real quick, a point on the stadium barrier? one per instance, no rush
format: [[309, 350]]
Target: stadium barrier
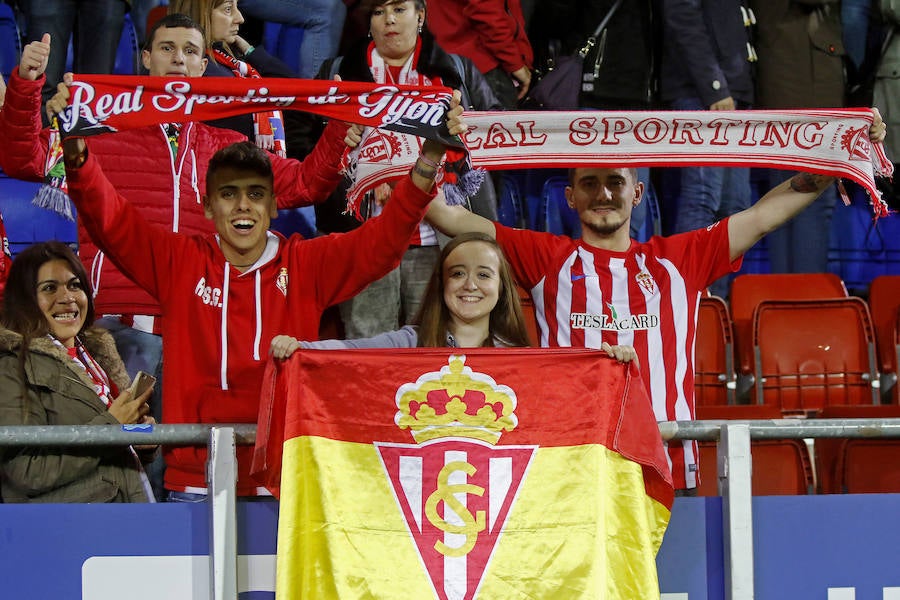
[[733, 474]]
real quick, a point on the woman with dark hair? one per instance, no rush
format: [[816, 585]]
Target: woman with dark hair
[[57, 370], [470, 302]]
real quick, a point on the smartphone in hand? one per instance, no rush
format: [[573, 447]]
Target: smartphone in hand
[[142, 382]]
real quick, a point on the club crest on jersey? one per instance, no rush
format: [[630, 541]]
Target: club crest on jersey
[[455, 487], [645, 280], [281, 282]]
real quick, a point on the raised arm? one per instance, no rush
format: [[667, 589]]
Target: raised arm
[[381, 241], [785, 201], [23, 153], [454, 220]]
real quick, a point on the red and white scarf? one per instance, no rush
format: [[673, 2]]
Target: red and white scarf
[[408, 75], [78, 353], [268, 126], [833, 142]]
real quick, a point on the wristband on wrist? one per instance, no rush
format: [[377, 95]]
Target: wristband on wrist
[[428, 162], [423, 171]]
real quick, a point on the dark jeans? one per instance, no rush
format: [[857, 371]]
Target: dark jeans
[[801, 244], [322, 22], [707, 194], [96, 25]]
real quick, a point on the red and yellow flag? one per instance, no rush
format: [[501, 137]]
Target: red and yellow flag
[[491, 474]]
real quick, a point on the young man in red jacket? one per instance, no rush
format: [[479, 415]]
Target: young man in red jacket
[[162, 175], [224, 296]]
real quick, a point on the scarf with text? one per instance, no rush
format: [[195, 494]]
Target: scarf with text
[[833, 142], [109, 103], [268, 126]]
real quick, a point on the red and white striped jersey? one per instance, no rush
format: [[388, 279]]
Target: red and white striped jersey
[[646, 297]]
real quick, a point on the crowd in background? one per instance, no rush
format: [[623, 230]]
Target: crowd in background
[[678, 54], [672, 54]]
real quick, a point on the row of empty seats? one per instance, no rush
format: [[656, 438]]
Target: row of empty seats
[[799, 345], [860, 248], [799, 467], [799, 342]]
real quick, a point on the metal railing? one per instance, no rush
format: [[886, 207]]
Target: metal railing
[[733, 472]]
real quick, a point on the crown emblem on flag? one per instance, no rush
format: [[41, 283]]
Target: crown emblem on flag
[[456, 402]]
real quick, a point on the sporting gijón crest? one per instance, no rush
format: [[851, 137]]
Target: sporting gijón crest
[[455, 487]]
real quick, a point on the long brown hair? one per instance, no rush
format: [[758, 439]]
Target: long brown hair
[[21, 312], [507, 321], [199, 11]]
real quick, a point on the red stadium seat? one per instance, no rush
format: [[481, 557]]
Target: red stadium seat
[[869, 466], [714, 378], [780, 467], [748, 290], [884, 302], [530, 315], [812, 353], [857, 465]]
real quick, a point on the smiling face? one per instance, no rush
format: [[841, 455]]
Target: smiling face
[[62, 300], [395, 29], [175, 52], [471, 275], [225, 21], [241, 204], [603, 199]]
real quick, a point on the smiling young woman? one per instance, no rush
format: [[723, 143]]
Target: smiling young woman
[[471, 301], [55, 369]]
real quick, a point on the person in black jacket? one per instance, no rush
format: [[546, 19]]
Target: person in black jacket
[[626, 76], [621, 71]]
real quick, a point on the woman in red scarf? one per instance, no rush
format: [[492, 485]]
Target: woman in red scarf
[[400, 50]]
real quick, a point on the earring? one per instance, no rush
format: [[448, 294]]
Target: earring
[[370, 34], [420, 27]]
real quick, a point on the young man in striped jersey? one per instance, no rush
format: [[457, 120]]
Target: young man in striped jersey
[[607, 287]]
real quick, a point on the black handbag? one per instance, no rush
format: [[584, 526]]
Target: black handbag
[[561, 86]]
